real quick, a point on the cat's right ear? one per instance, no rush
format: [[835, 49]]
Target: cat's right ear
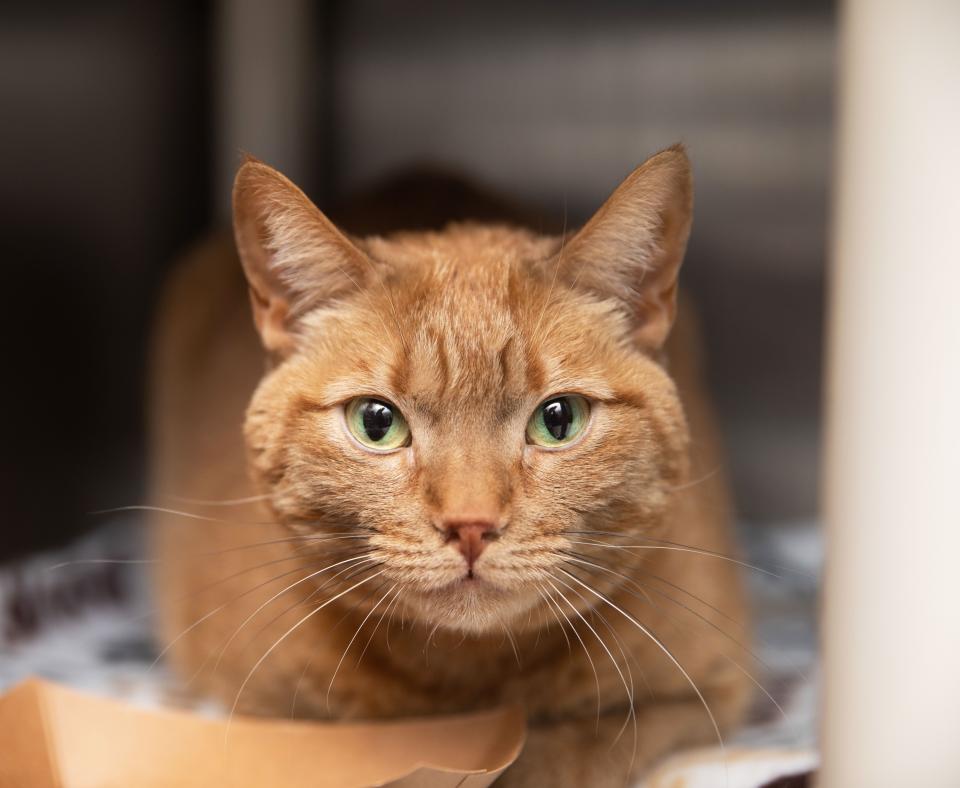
[[631, 250], [293, 256]]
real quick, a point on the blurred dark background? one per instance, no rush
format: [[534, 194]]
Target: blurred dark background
[[122, 124]]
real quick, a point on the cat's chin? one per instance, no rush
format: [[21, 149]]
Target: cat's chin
[[471, 604]]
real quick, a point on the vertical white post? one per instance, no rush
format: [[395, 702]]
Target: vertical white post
[[264, 96], [892, 596]]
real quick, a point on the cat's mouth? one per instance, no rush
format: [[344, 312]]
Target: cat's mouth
[[470, 584], [471, 581], [472, 602]]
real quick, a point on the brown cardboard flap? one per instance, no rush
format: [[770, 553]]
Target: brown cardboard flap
[[58, 737]]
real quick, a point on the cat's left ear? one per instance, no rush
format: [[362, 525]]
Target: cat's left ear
[[632, 248]]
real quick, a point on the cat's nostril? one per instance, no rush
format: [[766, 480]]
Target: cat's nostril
[[471, 536]]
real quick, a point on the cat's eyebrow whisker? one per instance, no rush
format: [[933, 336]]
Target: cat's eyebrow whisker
[[282, 638], [660, 644]]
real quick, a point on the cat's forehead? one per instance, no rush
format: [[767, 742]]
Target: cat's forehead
[[466, 335], [469, 282], [463, 255], [466, 322], [462, 302]]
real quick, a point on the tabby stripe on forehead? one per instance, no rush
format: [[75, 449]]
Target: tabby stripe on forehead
[[400, 376], [503, 358], [536, 376], [443, 362]]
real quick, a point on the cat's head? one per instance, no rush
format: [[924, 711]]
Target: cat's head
[[456, 406]]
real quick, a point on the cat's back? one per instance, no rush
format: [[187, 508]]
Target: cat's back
[[205, 362]]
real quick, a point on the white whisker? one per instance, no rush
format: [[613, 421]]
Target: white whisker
[[217, 502], [280, 640], [383, 615], [216, 610], [363, 558], [355, 634], [616, 665], [646, 631], [586, 651], [680, 549], [559, 622]]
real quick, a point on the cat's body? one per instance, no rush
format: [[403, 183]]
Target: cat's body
[[466, 330]]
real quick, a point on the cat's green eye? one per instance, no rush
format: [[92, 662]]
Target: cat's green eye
[[378, 425], [558, 421]]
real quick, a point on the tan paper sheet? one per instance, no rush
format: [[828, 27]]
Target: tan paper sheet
[[54, 737]]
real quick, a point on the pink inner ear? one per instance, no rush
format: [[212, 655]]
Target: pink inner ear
[[270, 319], [655, 318]]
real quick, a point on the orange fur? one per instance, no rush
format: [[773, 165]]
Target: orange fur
[[466, 330]]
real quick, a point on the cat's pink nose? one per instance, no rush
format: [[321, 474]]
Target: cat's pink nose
[[471, 536]]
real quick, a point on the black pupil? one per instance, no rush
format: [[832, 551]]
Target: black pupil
[[557, 416], [377, 419]]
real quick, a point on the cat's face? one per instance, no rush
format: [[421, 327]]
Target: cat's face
[[465, 402]]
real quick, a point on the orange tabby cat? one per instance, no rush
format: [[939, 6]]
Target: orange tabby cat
[[470, 476]]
